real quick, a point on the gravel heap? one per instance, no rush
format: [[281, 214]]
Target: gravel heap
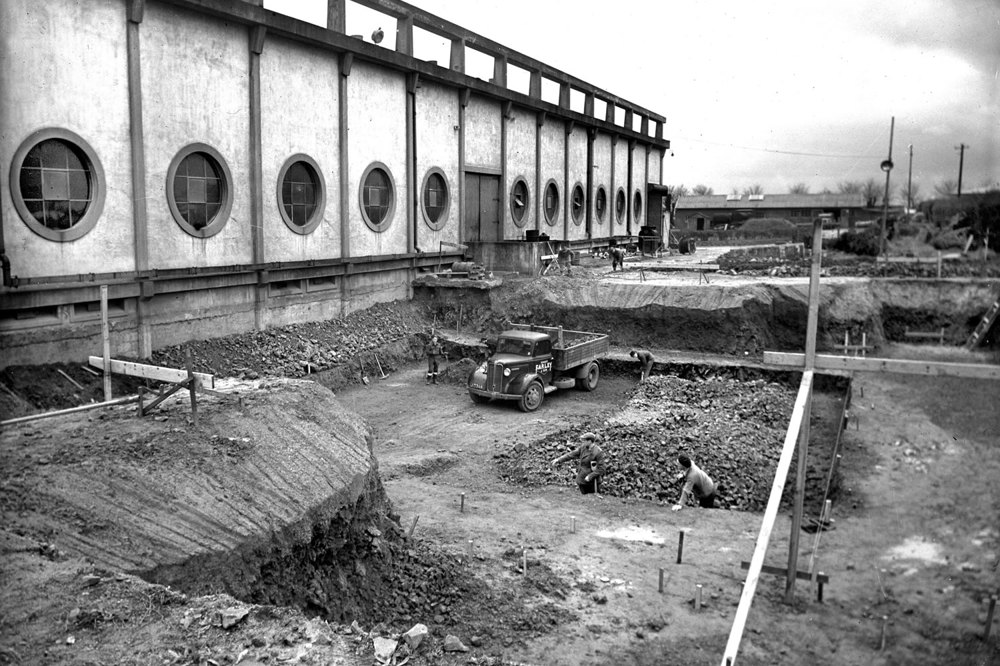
[[299, 349], [733, 430]]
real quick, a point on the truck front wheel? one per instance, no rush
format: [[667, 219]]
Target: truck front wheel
[[589, 381], [532, 397]]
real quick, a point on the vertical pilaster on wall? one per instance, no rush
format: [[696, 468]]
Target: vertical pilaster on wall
[[539, 124], [464, 95], [256, 44], [659, 130], [564, 90], [588, 105], [566, 184], [628, 185], [644, 126], [413, 209], [613, 194], [609, 114], [591, 135], [500, 71], [404, 35], [346, 61], [535, 84], [336, 15], [140, 220], [629, 118], [507, 111], [457, 60]]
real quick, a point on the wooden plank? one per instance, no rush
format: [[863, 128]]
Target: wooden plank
[[71, 410], [770, 513], [154, 372], [852, 364], [106, 340], [782, 571]]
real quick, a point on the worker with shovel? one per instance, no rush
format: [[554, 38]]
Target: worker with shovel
[[589, 463], [434, 352], [646, 359], [695, 482]]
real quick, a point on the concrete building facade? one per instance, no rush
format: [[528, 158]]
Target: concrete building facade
[[219, 167]]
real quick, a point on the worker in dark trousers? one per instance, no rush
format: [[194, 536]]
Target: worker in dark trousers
[[434, 352], [696, 483], [646, 359], [617, 258], [590, 465]]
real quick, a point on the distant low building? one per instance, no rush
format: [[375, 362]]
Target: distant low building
[[714, 211]]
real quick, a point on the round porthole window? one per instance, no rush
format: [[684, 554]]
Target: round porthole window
[[199, 190], [435, 200], [57, 184], [301, 194], [637, 206], [578, 204], [550, 204], [378, 196], [601, 204], [620, 202], [519, 200]]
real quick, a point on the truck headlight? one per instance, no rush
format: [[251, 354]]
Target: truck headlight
[[506, 372]]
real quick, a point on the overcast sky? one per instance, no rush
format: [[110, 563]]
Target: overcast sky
[[771, 93]]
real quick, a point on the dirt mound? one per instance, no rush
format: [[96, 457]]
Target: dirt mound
[[457, 372], [733, 430]]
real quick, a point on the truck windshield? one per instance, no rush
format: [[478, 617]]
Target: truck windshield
[[514, 346]]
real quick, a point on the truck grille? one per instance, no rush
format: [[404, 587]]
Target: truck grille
[[494, 377]]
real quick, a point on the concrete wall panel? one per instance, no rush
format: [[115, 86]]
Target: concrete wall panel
[[576, 144], [376, 103], [602, 176], [520, 163], [437, 147], [553, 167], [310, 126], [195, 74], [52, 56], [638, 185], [482, 133], [621, 184]]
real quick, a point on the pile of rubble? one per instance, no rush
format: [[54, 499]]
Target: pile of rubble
[[300, 349], [733, 430]]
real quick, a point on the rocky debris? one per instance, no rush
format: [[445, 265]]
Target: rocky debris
[[230, 617], [457, 372], [733, 430], [415, 635], [453, 644], [299, 350]]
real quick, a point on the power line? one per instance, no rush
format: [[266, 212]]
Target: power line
[[780, 152]]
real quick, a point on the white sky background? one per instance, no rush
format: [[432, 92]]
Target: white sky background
[[743, 84]]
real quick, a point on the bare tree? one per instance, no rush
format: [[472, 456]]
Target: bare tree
[[870, 191], [702, 190], [946, 188], [756, 188], [677, 191], [799, 188], [826, 190], [912, 192], [735, 191], [850, 187]]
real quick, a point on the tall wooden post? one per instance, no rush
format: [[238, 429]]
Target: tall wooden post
[[812, 324]]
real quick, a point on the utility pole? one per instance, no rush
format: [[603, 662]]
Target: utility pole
[[961, 158], [887, 167], [909, 183]]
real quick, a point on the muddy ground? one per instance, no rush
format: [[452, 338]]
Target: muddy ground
[[916, 538]]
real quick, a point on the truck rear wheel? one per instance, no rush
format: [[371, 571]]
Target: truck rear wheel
[[532, 397], [589, 381]]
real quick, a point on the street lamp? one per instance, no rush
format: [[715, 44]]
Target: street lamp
[[887, 167]]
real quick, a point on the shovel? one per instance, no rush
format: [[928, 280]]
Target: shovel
[[381, 371], [364, 377]]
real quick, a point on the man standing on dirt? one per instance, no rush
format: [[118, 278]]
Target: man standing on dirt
[[434, 352], [696, 482], [646, 359], [617, 258], [589, 463], [565, 258]]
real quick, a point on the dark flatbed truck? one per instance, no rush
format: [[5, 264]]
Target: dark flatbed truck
[[533, 361]]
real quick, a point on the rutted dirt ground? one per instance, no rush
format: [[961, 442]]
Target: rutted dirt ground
[[916, 539]]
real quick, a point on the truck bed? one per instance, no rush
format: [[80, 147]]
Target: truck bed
[[572, 348]]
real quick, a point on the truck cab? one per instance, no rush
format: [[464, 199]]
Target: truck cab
[[527, 365]]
